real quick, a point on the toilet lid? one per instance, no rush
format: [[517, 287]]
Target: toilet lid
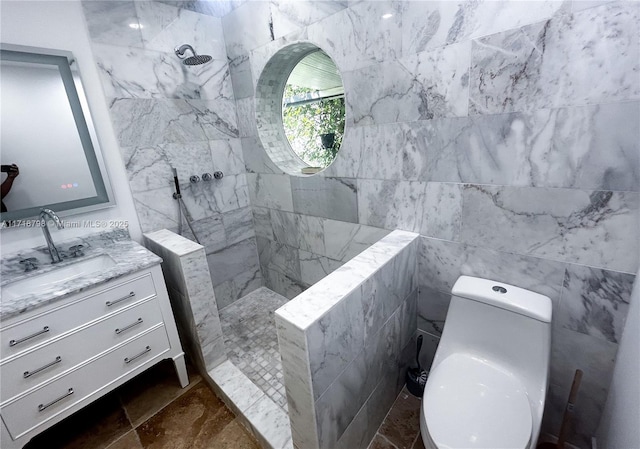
[[470, 403]]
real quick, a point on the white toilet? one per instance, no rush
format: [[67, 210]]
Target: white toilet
[[487, 384]]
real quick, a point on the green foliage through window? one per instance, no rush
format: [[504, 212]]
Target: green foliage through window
[[306, 122]]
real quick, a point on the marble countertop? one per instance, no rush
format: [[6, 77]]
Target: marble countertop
[[128, 256]]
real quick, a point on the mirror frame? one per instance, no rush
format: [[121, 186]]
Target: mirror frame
[[68, 69]]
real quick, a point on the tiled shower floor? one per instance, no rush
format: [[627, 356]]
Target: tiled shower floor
[[250, 335]]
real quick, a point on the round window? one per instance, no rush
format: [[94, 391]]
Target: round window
[[300, 109]]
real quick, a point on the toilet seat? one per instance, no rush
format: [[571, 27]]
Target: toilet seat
[[472, 403]]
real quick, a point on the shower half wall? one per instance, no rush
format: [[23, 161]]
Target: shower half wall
[[365, 311]]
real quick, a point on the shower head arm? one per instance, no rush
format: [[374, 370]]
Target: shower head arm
[[180, 51]]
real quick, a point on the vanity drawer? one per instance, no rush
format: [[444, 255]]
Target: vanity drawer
[[39, 365], [87, 307], [50, 400]]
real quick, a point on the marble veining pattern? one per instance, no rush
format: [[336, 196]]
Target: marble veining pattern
[[193, 302], [128, 256], [570, 225], [586, 57], [595, 302]]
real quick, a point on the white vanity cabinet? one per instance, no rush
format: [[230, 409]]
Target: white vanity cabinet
[[58, 358]]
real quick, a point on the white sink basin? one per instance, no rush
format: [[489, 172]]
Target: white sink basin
[[41, 283]]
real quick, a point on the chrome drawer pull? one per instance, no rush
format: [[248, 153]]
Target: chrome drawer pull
[[28, 374], [43, 407], [131, 359], [124, 298], [119, 331], [29, 337]]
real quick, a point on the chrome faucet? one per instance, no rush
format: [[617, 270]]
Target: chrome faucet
[[44, 213]]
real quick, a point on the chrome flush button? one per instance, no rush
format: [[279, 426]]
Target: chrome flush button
[[497, 288]]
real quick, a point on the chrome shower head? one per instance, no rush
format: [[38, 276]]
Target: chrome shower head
[[196, 59]]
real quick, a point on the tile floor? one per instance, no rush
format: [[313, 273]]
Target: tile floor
[[151, 412], [401, 427], [250, 334]]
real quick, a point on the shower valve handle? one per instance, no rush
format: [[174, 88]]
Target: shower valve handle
[[218, 174], [194, 178]]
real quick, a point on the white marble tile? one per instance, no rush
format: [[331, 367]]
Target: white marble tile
[[579, 147], [433, 24], [233, 260], [289, 16], [312, 304], [279, 257], [262, 222], [442, 262], [595, 302], [108, 22], [167, 240], [247, 124], [226, 155], [344, 241], [164, 27], [204, 308], [240, 285], [347, 161], [273, 191], [432, 310], [270, 424], [582, 58], [223, 195], [238, 225], [241, 77], [358, 36], [442, 211], [143, 122], [285, 227], [150, 167], [246, 28], [235, 385], [314, 267], [214, 8], [156, 209], [422, 86], [334, 340], [584, 227], [295, 366], [210, 232], [311, 233], [256, 158], [137, 73], [391, 204], [334, 198], [338, 406], [286, 285]]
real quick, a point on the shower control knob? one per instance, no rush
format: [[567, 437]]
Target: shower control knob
[[218, 174], [207, 176], [194, 178]]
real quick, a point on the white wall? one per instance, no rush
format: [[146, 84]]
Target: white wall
[[619, 426], [60, 25]]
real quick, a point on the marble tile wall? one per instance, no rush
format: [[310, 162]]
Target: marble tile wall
[[189, 286], [346, 343], [505, 133], [167, 115], [297, 250]]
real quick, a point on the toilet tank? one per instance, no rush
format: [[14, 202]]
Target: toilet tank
[[502, 324]]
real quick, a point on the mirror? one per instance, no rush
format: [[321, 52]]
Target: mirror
[[50, 156], [313, 110]]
